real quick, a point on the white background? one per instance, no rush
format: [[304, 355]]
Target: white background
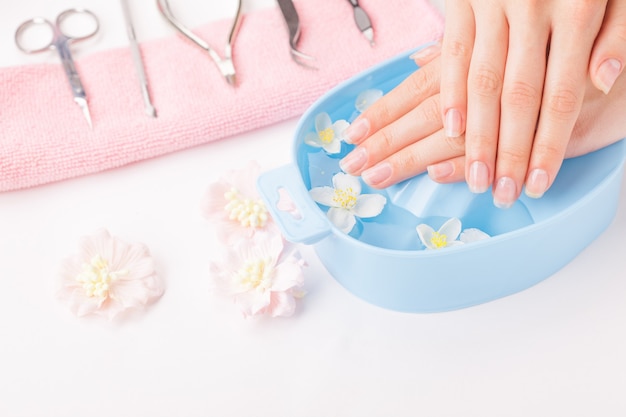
[[557, 349]]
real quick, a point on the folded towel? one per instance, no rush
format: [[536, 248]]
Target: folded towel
[[44, 136]]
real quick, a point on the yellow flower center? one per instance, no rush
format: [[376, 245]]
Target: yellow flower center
[[439, 240], [327, 135], [96, 277], [256, 273], [345, 197], [248, 212]]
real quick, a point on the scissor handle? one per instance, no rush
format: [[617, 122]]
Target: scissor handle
[[28, 25], [63, 16], [58, 33]]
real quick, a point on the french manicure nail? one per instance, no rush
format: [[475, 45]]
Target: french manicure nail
[[453, 123], [505, 193], [537, 183], [478, 180], [377, 174], [440, 171], [425, 54], [354, 161], [607, 74], [357, 131]]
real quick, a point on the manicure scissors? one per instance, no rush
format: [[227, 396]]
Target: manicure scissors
[[362, 21], [225, 64], [293, 25], [61, 39]]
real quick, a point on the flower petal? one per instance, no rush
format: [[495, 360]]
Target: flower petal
[[342, 219], [323, 195], [342, 181], [451, 228], [367, 98], [425, 233], [333, 147], [369, 205], [322, 122], [473, 235], [313, 139], [339, 127]]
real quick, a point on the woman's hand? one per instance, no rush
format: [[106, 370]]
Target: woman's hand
[[400, 136]]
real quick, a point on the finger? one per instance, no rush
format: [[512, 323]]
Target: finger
[[521, 99], [413, 159], [564, 87], [609, 52], [458, 41], [416, 88], [415, 125], [483, 97], [448, 171]]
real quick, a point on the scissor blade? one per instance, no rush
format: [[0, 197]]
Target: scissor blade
[[364, 24], [82, 103]]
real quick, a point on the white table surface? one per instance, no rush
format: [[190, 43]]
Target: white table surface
[[557, 349]]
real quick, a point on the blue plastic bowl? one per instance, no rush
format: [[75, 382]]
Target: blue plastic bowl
[[382, 262]]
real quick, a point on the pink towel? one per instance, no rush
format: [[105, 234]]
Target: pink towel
[[44, 136]]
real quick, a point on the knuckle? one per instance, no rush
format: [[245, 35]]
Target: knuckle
[[486, 81], [521, 95], [429, 112], [563, 102], [513, 156], [585, 12], [457, 49]]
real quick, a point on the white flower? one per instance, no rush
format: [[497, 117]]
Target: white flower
[[346, 201], [108, 276], [262, 277], [448, 234], [366, 99], [327, 135]]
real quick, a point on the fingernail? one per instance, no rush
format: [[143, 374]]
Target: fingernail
[[354, 160], [440, 171], [607, 74], [537, 183], [453, 123], [377, 174], [505, 193], [357, 131], [426, 54], [478, 180]]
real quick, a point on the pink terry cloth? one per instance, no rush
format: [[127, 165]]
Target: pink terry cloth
[[44, 136]]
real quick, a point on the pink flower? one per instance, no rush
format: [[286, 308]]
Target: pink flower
[[234, 206], [262, 277], [108, 276]]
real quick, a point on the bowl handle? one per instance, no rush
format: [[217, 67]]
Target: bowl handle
[[310, 224]]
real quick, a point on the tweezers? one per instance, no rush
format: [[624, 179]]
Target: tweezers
[[293, 25], [225, 64], [362, 21]]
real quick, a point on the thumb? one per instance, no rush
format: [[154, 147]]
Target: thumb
[[609, 52]]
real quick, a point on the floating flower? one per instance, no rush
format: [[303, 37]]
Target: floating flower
[[327, 135], [367, 98], [447, 235], [262, 277], [108, 276], [346, 201], [233, 204]]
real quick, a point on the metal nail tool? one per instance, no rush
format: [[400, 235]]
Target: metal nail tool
[[60, 39], [293, 25], [139, 67], [363, 21], [225, 64]]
